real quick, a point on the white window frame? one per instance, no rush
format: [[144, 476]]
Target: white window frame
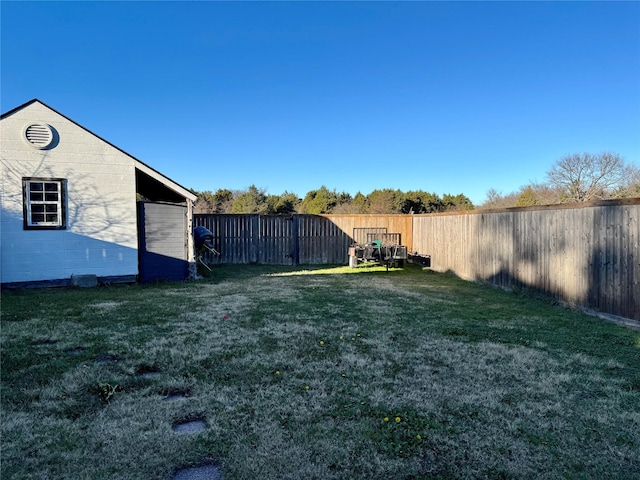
[[44, 203]]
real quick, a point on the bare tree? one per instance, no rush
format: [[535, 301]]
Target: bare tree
[[495, 199], [584, 177], [631, 186], [545, 194]]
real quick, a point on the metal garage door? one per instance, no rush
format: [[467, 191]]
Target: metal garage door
[[162, 241]]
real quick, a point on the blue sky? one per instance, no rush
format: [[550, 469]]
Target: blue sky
[[455, 97]]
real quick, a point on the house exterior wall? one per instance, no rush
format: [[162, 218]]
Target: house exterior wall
[[100, 237]]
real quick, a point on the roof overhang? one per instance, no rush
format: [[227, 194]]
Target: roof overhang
[[165, 181]]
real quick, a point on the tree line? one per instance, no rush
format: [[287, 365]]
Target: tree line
[[579, 177], [323, 200]]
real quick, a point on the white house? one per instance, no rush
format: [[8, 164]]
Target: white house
[[71, 206]]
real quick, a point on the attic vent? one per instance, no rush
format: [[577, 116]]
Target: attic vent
[[39, 135]]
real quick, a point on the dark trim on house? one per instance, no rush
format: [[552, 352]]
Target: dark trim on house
[[117, 279], [26, 201], [66, 282]]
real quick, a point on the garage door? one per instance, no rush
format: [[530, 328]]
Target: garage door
[[162, 239]]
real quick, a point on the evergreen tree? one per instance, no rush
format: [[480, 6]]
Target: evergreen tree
[[527, 198], [385, 201], [253, 200], [286, 203], [456, 202], [419, 201], [322, 201]]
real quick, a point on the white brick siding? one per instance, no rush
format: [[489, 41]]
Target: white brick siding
[[101, 233]]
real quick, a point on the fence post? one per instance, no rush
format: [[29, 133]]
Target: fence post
[[254, 248], [295, 233]]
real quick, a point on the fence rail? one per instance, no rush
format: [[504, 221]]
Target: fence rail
[[588, 255]]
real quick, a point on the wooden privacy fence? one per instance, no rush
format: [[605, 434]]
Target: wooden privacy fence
[[293, 239], [587, 254]]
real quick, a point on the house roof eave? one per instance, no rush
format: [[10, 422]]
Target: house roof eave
[[146, 169]]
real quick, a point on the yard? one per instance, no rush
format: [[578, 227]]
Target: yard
[[315, 373]]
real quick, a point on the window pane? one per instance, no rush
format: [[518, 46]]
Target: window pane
[[44, 208]]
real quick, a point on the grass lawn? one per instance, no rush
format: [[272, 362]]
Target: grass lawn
[[320, 373]]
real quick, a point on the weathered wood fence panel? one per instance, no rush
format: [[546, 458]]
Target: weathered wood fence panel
[[234, 237], [589, 255], [321, 241], [276, 240]]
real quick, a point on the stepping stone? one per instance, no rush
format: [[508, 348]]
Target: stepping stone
[[147, 371], [192, 426], [205, 472], [74, 351], [106, 358], [174, 397]]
